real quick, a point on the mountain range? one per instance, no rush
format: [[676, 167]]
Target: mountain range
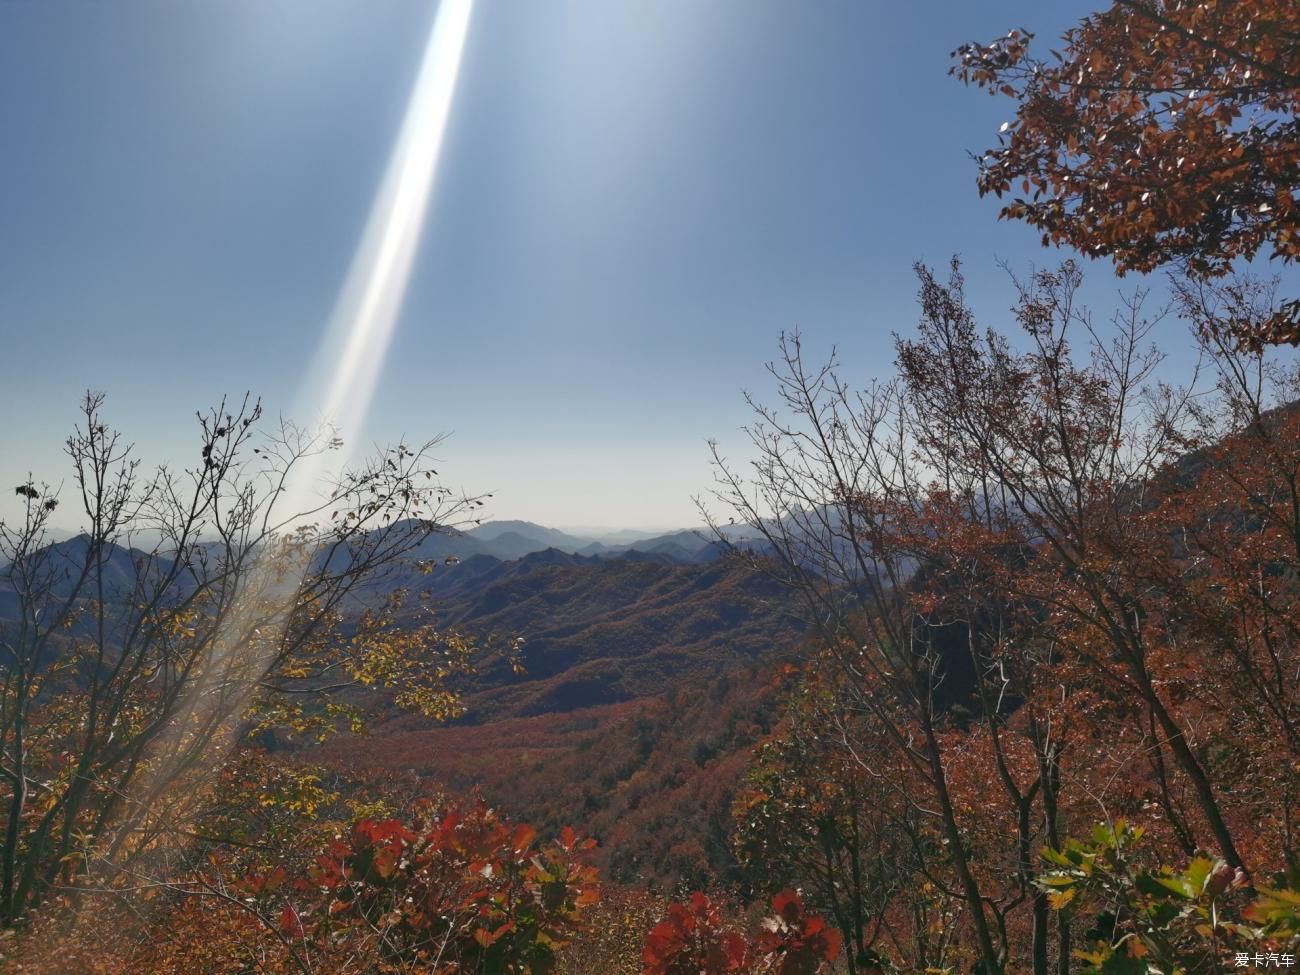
[[508, 540], [602, 629], [645, 681], [600, 623]]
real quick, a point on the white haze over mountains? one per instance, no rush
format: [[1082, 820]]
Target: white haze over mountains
[[509, 539]]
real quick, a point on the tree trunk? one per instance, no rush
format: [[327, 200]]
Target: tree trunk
[[13, 829]]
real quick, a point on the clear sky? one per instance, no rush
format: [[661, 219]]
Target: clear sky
[[635, 198]]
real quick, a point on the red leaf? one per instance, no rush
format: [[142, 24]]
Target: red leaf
[[290, 923], [523, 838], [788, 906]]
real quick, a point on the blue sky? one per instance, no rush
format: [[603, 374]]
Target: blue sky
[[634, 199]]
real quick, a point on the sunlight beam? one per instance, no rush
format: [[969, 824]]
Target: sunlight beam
[[339, 389], [361, 326]]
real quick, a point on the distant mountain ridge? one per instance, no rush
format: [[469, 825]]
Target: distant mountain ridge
[[510, 539], [514, 539], [547, 537]]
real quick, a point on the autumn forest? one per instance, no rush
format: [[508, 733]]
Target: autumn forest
[[988, 663]]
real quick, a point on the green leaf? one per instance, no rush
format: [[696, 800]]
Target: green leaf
[[1277, 910], [1057, 880], [1163, 886], [1198, 874], [1052, 856], [1104, 837]]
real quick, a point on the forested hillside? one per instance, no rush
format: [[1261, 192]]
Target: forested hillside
[[985, 663], [597, 631]]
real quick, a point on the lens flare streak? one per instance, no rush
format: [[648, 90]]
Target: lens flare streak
[[361, 326], [340, 386]]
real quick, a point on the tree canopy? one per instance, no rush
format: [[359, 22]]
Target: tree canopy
[[1162, 132]]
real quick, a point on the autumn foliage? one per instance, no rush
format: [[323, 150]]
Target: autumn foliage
[[1161, 131], [441, 891], [1043, 713], [694, 939], [1050, 588], [465, 892]]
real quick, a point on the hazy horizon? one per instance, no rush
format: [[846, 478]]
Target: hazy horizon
[[62, 527]]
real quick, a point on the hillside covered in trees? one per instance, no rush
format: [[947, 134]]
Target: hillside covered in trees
[[987, 663]]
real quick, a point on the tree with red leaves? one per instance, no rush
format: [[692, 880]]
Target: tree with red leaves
[[694, 939], [1162, 131], [465, 892]]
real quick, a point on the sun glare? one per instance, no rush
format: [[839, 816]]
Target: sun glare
[[361, 327], [352, 351]]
